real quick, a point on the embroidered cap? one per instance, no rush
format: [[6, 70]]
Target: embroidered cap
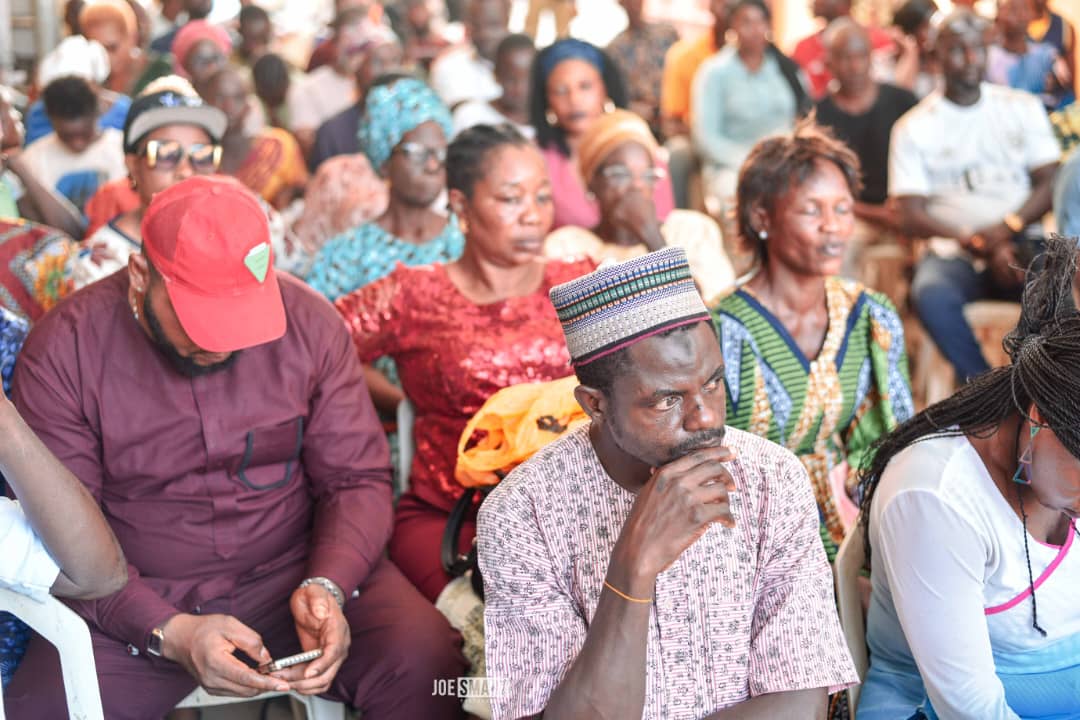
[[209, 239], [620, 304]]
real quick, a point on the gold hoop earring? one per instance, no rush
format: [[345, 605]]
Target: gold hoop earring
[[134, 185], [463, 225], [552, 118]]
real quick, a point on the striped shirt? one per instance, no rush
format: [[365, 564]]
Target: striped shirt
[[742, 612]]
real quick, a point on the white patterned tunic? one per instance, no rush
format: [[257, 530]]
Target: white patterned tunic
[[742, 612]]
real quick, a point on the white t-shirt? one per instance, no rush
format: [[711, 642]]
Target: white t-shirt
[[319, 96], [25, 564], [77, 176], [972, 163], [950, 580], [481, 112], [459, 74]]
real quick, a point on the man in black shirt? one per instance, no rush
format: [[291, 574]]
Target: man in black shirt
[[861, 112]]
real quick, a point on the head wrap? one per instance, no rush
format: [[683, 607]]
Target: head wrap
[[609, 132], [569, 49], [106, 11], [191, 35], [621, 304], [392, 110], [75, 55]]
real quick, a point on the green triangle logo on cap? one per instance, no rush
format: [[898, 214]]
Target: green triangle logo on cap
[[257, 261]]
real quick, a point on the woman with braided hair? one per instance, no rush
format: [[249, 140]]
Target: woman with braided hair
[[970, 510]]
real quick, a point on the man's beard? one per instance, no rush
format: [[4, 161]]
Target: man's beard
[[183, 365]]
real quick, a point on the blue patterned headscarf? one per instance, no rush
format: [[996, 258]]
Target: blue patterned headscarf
[[570, 49], [392, 110]]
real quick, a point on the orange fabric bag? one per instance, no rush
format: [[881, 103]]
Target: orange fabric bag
[[516, 422]]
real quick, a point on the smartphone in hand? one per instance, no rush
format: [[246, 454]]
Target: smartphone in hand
[[286, 662]]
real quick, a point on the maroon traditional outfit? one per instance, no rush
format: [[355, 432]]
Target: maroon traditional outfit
[[225, 491], [451, 356]]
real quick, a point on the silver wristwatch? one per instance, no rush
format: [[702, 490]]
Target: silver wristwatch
[[156, 644], [330, 585]]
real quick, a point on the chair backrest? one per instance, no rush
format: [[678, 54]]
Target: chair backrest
[[68, 632], [406, 416], [934, 378], [991, 321], [849, 563]]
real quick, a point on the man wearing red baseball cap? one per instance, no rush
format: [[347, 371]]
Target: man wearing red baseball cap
[[208, 241], [217, 411]]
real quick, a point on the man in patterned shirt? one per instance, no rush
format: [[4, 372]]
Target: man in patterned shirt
[[654, 563], [639, 52]]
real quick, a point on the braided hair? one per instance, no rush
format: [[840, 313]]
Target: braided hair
[[1044, 370], [468, 153]]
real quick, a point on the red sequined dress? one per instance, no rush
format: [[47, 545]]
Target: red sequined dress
[[452, 354]]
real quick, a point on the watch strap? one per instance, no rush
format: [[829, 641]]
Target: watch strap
[[330, 585]]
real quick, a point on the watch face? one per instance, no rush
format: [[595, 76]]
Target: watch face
[[157, 638]]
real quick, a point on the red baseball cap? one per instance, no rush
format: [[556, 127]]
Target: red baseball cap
[[208, 237]]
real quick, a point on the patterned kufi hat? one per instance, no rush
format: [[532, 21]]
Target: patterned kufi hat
[[620, 304]]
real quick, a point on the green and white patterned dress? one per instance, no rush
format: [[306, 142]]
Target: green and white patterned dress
[[829, 409]]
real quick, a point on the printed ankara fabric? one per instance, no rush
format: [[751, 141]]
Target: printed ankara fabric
[[827, 410]]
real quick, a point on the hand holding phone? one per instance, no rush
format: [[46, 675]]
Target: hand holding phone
[[320, 623], [286, 662]]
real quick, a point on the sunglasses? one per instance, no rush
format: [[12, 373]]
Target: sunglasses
[[419, 155], [620, 176], [168, 154]]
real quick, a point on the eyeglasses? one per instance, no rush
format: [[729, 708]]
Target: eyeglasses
[[168, 154], [419, 155], [621, 177]]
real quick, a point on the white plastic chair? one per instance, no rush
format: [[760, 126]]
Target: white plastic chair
[[315, 708], [406, 416], [849, 563], [55, 622]]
